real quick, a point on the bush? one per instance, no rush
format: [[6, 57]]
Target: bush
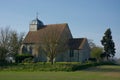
[[92, 59], [28, 60], [22, 57]]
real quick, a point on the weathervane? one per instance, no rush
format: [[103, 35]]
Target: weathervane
[[36, 15]]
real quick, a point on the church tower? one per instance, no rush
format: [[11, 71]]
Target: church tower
[[35, 25]]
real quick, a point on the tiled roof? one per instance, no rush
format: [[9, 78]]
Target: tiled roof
[[36, 36], [76, 43]]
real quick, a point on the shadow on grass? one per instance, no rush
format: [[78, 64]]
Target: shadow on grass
[[104, 68]]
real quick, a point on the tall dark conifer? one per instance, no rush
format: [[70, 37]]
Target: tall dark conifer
[[108, 43]]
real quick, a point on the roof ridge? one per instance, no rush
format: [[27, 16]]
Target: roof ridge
[[58, 24], [79, 38]]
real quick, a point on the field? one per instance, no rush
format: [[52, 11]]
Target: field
[[96, 73]]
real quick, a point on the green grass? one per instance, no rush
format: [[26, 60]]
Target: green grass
[[105, 72]]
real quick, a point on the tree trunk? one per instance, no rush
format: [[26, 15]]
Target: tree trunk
[[107, 57], [52, 61]]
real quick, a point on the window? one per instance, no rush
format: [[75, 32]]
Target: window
[[71, 53], [30, 50], [24, 49]]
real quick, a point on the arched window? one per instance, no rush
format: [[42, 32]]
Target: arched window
[[24, 49]]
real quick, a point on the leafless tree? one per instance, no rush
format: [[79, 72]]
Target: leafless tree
[[3, 53], [5, 37], [10, 40], [91, 43], [4, 42], [53, 42]]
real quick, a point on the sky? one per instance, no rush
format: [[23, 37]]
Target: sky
[[86, 18]]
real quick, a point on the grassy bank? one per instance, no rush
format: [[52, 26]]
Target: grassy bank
[[60, 66], [106, 72]]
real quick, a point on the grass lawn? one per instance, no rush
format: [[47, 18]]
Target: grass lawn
[[96, 73]]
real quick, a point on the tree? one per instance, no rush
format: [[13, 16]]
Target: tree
[[108, 43], [96, 52], [5, 37], [15, 42], [10, 40], [53, 42], [3, 53], [91, 43]]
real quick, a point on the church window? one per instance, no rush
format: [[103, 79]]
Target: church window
[[30, 50], [24, 49]]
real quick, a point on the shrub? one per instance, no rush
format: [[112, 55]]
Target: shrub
[[92, 59], [22, 57], [28, 60]]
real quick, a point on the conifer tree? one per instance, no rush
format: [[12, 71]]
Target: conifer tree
[[108, 43]]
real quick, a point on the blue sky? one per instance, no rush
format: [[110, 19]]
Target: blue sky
[[86, 18]]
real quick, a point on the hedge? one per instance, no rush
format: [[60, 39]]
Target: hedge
[[20, 58]]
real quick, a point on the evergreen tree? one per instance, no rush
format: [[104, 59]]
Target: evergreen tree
[[108, 43]]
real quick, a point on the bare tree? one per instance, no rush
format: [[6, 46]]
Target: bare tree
[[3, 53], [4, 37], [10, 41], [91, 43], [54, 42], [4, 42]]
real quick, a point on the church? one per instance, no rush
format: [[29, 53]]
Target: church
[[56, 38]]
